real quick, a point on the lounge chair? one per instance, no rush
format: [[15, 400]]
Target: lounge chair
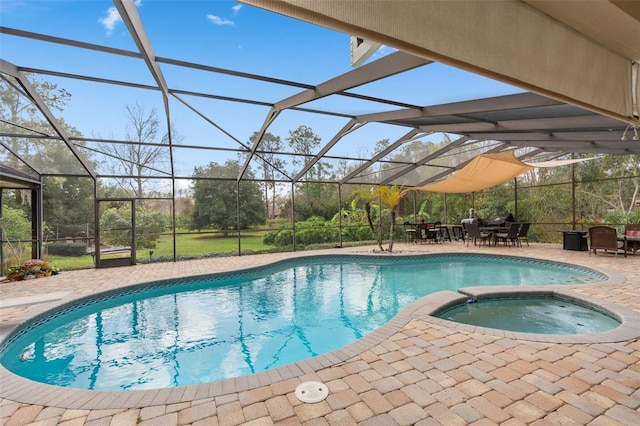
[[473, 232], [605, 238], [510, 236]]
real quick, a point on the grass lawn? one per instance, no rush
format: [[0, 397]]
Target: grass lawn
[[198, 244], [188, 244]]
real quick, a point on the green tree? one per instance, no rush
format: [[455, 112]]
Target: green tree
[[312, 198], [304, 143], [15, 227], [18, 112], [149, 225], [367, 195], [68, 206], [622, 190], [65, 200], [269, 163], [215, 200]]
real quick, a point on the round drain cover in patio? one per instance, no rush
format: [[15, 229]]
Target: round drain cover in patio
[[312, 392]]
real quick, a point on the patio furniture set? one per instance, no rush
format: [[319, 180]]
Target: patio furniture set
[[606, 238], [513, 233], [510, 233], [601, 237], [433, 232]]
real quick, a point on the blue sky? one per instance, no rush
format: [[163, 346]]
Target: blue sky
[[224, 34]]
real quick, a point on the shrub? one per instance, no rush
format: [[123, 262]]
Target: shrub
[[67, 249], [269, 237], [316, 230], [363, 233], [284, 238]]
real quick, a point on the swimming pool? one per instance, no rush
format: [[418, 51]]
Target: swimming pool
[[203, 329]]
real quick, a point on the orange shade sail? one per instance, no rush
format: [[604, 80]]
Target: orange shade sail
[[488, 170]]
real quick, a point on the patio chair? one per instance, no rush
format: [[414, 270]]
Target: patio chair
[[432, 232], [421, 232], [511, 236], [522, 233], [605, 238], [473, 232], [632, 232], [410, 232]]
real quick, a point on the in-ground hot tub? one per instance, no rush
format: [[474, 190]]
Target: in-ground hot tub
[[544, 315]]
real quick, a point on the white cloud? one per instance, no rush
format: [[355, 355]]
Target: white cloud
[[110, 20], [219, 21], [236, 9]]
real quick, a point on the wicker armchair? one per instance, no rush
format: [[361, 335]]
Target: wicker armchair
[[605, 238], [474, 233], [523, 233], [632, 232], [511, 236]]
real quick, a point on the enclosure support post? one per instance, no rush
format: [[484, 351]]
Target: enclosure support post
[[515, 198], [36, 223], [293, 214], [573, 194], [340, 215], [1, 239], [444, 199], [134, 247], [173, 217], [415, 201], [238, 216], [96, 227]]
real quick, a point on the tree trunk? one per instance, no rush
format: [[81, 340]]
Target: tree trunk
[[273, 199], [392, 232], [376, 235]]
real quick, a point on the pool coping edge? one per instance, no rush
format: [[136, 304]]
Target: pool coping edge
[[27, 391]]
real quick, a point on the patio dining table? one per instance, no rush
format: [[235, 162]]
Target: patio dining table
[[454, 231]]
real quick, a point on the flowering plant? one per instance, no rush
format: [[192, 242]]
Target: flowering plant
[[33, 268]]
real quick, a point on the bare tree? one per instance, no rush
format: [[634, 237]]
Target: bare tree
[[145, 152], [20, 115]]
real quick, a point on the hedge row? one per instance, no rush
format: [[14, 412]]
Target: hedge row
[[67, 249]]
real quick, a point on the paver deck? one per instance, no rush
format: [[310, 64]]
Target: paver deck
[[414, 370]]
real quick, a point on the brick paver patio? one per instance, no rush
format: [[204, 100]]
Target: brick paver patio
[[415, 370]]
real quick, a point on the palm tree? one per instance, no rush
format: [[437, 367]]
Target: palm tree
[[367, 195], [390, 197]]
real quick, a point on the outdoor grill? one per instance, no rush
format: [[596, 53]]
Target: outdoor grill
[[498, 221]]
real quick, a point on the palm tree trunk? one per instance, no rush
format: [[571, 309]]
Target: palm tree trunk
[[393, 230], [374, 233]]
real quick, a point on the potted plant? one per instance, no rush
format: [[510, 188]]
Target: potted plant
[[31, 269]]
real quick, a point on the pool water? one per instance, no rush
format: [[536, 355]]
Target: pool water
[[201, 329], [546, 315]]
